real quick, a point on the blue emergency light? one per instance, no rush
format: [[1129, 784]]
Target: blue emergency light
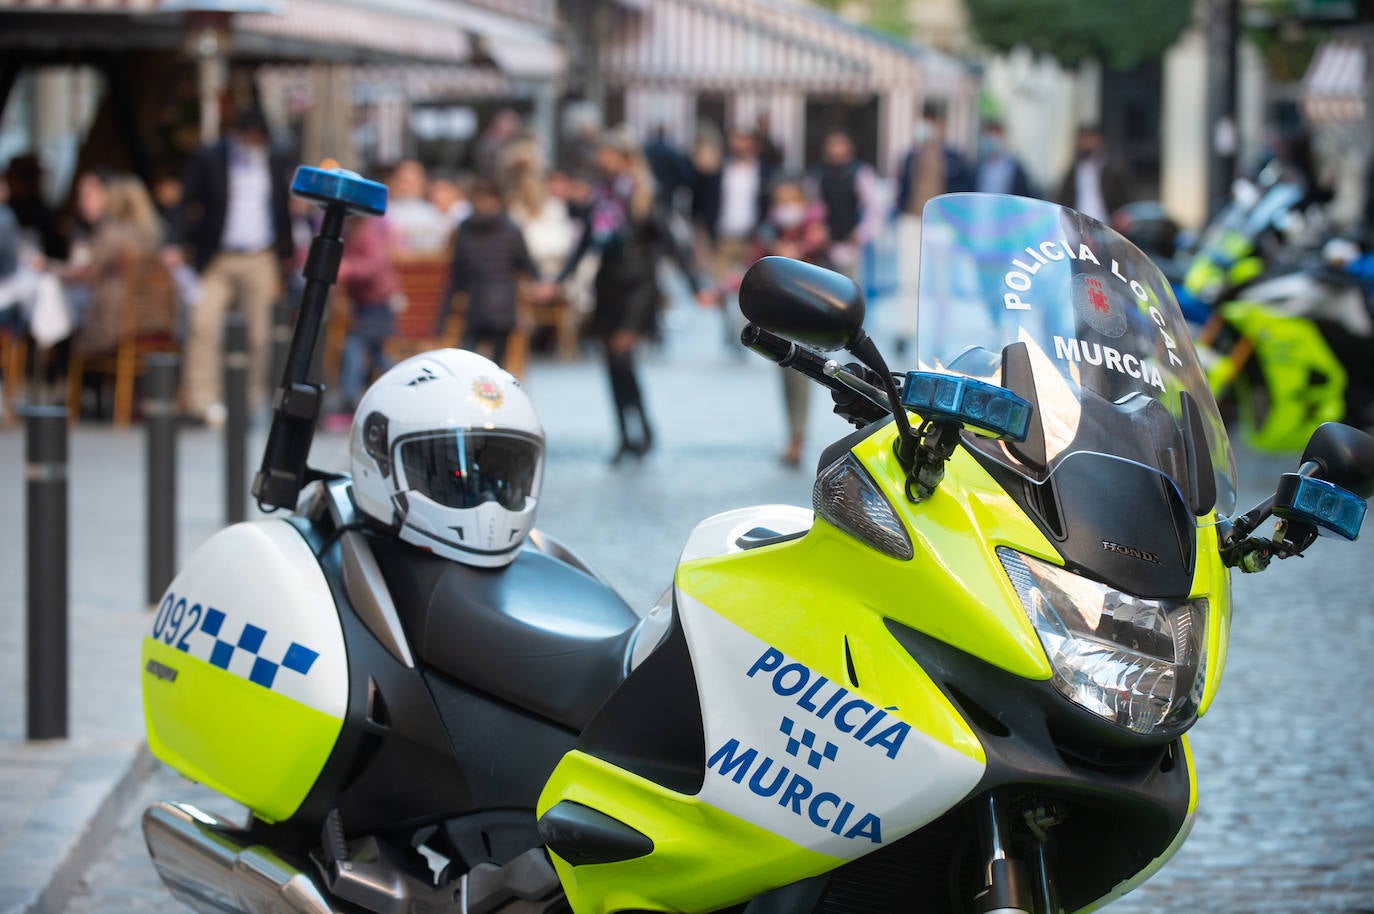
[[986, 407], [338, 185], [1317, 502]]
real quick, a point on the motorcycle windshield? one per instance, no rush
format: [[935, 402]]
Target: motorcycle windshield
[[1104, 355], [1233, 234]]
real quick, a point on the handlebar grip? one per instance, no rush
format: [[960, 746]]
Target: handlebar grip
[[786, 353]]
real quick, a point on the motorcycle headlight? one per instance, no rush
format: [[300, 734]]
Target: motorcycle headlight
[[1138, 663]]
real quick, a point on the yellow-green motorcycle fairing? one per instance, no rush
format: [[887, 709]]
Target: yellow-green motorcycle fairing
[[1305, 380], [753, 614]]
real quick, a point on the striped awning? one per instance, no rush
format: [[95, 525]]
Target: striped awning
[[122, 7], [760, 45], [404, 31], [318, 23], [1333, 91], [378, 83]]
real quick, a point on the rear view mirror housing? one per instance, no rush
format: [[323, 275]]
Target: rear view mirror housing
[[1344, 457], [803, 302]]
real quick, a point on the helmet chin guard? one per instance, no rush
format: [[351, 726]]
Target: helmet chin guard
[[447, 451]]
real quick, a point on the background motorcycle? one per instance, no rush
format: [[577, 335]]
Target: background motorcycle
[[964, 682], [1289, 333]]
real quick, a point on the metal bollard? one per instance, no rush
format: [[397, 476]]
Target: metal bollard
[[281, 340], [45, 473], [236, 419], [159, 416]]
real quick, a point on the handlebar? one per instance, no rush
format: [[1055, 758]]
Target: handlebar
[[812, 364]]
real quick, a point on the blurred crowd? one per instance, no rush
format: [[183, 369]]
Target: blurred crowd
[[512, 250]]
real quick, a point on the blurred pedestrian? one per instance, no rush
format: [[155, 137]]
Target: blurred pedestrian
[[999, 170], [671, 168], [794, 227], [770, 150], [234, 219], [1094, 185], [930, 168], [123, 240], [447, 195], [543, 219], [623, 225], [706, 159], [418, 229], [742, 193], [372, 286], [486, 151], [9, 260], [489, 258], [848, 189], [24, 178]]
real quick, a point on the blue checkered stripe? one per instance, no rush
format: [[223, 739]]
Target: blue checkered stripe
[[298, 657], [800, 738]]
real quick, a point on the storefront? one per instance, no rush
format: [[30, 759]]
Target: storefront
[[157, 74], [682, 63]]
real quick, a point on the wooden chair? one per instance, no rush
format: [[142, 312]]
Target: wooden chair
[[14, 355], [146, 320], [423, 280], [557, 315]]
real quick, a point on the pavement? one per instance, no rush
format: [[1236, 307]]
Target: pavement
[[1286, 778]]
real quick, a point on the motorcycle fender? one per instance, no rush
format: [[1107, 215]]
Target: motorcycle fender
[[245, 678]]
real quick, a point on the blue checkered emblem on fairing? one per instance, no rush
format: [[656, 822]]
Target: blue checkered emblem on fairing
[[298, 658]]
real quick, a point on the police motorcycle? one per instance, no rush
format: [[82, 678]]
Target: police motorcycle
[[961, 682], [1289, 318]]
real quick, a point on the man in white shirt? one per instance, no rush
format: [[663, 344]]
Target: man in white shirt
[[1094, 185], [743, 199], [417, 225], [234, 218]]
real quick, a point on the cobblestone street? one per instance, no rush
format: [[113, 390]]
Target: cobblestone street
[[1286, 777]]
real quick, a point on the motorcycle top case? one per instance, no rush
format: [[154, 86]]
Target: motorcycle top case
[[245, 679]]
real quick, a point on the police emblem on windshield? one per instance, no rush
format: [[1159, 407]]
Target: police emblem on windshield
[[488, 393], [1092, 302]]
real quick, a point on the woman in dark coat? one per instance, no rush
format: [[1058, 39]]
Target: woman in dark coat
[[623, 225]]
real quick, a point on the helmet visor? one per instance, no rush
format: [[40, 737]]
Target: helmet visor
[[467, 469]]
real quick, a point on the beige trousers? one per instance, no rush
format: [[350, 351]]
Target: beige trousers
[[253, 282]]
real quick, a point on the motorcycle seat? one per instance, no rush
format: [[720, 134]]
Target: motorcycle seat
[[542, 633]]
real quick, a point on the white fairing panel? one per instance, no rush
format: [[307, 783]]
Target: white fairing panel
[[807, 758], [717, 534], [253, 601]]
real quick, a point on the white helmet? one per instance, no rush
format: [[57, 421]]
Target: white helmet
[[447, 451]]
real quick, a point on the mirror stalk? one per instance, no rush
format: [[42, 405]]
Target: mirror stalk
[[866, 351]]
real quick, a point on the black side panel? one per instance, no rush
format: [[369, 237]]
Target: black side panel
[[392, 765], [582, 835], [652, 724], [505, 754]]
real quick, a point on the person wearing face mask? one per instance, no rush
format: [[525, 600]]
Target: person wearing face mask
[[932, 167], [794, 226], [1094, 185], [999, 170]]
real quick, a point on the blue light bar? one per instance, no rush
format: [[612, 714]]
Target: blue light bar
[[338, 185], [1317, 502], [985, 407]]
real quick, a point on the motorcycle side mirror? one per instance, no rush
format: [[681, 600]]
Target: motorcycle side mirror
[[1344, 455], [803, 302]]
